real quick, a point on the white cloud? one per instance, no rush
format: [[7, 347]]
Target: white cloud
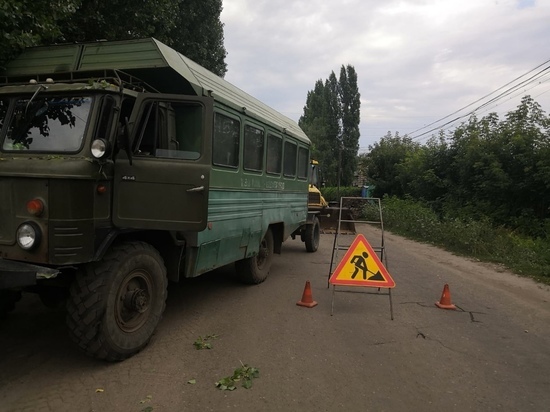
[[416, 60]]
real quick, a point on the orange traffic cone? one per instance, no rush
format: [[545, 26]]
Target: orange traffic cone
[[307, 299], [445, 301]]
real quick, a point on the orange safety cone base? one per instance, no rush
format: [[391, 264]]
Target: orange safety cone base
[[307, 304], [441, 306], [307, 299], [445, 301]]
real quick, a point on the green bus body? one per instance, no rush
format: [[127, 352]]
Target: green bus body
[[108, 147]]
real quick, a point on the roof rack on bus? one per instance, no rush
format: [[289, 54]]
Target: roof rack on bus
[[118, 77]]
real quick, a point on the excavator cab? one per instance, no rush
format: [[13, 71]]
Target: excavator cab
[[328, 215], [316, 201]]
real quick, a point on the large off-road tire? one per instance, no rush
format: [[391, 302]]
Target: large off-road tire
[[8, 299], [312, 235], [116, 304], [254, 270]]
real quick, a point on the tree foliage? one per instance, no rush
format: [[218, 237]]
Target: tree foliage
[[331, 120], [384, 162], [192, 27], [25, 23], [487, 168], [350, 105]]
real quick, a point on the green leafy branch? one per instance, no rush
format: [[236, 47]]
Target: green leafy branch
[[204, 343], [245, 374]]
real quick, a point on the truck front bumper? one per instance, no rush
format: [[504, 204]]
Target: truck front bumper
[[18, 274]]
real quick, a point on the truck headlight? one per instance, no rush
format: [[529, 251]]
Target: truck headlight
[[28, 235], [100, 148]]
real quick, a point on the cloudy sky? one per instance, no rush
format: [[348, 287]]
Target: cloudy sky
[[417, 61]]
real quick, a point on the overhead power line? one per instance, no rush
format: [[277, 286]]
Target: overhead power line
[[515, 94], [537, 76]]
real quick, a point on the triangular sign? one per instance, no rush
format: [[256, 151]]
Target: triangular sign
[[361, 267]]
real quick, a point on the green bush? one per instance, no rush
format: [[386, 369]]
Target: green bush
[[331, 193], [475, 238]]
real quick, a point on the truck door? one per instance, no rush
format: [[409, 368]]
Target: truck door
[[163, 184]]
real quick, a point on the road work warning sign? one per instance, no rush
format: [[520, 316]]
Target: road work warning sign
[[361, 267]]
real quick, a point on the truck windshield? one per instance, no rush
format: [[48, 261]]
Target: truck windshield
[[45, 124]]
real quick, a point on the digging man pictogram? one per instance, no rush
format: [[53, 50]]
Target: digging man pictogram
[[360, 262]]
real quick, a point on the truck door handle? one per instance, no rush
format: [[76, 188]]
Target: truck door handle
[[196, 189]]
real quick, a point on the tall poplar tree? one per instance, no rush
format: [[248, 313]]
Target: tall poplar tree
[[350, 105], [330, 158], [331, 120]]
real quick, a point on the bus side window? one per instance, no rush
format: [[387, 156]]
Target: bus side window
[[303, 162], [253, 148], [226, 141], [274, 154], [290, 159]]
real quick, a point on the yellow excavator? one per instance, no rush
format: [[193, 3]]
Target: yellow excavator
[[328, 215]]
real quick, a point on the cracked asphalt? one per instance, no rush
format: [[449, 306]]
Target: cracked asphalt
[[491, 354]]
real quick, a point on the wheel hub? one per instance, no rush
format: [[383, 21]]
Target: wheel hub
[[136, 300]]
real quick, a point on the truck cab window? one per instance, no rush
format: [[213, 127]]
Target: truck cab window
[[4, 103], [148, 131], [184, 131], [105, 121], [171, 130], [48, 124]]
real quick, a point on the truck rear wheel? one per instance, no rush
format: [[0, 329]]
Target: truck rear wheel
[[254, 270], [312, 235], [116, 304]]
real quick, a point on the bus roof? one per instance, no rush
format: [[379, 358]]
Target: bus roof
[[153, 62]]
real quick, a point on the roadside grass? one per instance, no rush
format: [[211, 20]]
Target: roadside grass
[[477, 239]]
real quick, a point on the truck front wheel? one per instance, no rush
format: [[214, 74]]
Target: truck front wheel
[[116, 304]]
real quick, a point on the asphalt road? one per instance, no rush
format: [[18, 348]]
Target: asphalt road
[[492, 354]]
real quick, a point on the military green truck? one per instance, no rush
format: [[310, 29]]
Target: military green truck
[[125, 165]]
